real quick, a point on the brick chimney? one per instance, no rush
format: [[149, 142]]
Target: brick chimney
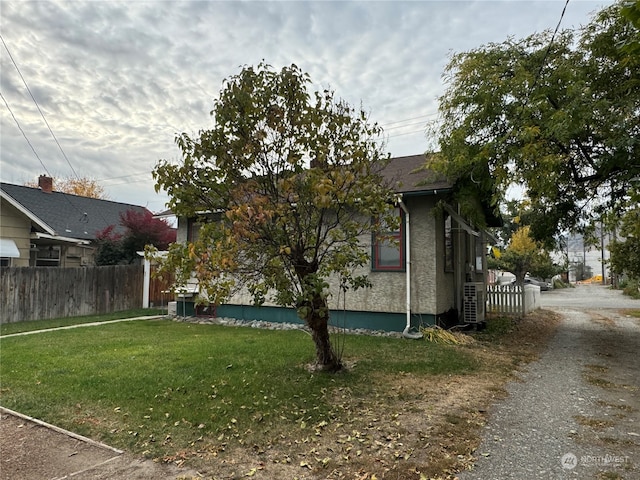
[[45, 183]]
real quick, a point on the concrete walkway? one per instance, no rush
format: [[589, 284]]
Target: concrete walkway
[[91, 324]]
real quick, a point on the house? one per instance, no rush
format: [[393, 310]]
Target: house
[[588, 259], [438, 266], [42, 227]]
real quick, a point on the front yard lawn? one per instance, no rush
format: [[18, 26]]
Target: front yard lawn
[[235, 401]]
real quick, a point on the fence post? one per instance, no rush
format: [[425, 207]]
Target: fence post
[[147, 281]]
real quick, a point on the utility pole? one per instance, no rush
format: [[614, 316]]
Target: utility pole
[[604, 278]]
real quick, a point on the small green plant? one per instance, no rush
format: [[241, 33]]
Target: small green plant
[[632, 288], [498, 326], [558, 283]]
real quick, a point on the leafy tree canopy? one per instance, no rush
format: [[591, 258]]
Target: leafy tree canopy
[[625, 251], [631, 11], [524, 255], [292, 180], [141, 229], [83, 187], [558, 115]]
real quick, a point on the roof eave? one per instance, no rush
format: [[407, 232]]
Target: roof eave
[[58, 238], [426, 192], [26, 212]]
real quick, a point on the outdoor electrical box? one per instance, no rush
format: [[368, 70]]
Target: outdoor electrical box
[[473, 302]]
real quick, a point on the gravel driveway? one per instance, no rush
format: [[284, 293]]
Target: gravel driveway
[[575, 413]]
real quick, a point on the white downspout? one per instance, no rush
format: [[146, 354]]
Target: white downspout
[[407, 229]]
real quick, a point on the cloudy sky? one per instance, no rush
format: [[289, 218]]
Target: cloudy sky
[[116, 81]]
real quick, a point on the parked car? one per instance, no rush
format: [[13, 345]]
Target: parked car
[[538, 282], [506, 279]]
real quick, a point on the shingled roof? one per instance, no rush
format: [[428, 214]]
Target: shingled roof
[[409, 175], [66, 215]]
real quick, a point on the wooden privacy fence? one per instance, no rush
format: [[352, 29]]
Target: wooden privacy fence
[[507, 299], [39, 293]]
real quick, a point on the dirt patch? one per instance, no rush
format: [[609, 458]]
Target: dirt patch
[[38, 452], [30, 450], [411, 429]]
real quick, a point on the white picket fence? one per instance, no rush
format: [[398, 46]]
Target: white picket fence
[[507, 299]]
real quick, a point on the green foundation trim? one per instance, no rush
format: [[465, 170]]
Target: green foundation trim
[[389, 322]]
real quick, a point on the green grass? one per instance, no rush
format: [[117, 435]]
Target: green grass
[[631, 288], [497, 327], [11, 328], [156, 386]]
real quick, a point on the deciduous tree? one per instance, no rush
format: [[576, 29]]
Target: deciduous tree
[[140, 229], [625, 251], [108, 247], [560, 116], [520, 255], [83, 187], [524, 255], [292, 179]]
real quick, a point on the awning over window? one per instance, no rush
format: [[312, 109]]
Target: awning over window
[[461, 221], [8, 248]]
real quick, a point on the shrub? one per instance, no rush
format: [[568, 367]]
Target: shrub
[[631, 288]]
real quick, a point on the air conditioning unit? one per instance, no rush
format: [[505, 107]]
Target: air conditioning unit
[[473, 302]]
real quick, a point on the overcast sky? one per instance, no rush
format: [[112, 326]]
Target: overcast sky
[[116, 81]]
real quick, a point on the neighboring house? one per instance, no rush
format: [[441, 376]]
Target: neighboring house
[[586, 259], [42, 227], [439, 254]]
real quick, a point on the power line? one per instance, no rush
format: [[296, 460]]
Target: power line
[[403, 126], [40, 160], [24, 134], [124, 176], [409, 119], [546, 53], [37, 106], [415, 132], [127, 183]]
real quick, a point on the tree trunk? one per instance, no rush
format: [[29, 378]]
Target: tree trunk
[[317, 319]]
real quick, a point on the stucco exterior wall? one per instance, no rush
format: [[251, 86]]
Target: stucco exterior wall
[[15, 226], [425, 230], [445, 280], [432, 290], [388, 293], [181, 234]]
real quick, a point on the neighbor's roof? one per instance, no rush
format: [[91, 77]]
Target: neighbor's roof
[[66, 215], [409, 175]]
